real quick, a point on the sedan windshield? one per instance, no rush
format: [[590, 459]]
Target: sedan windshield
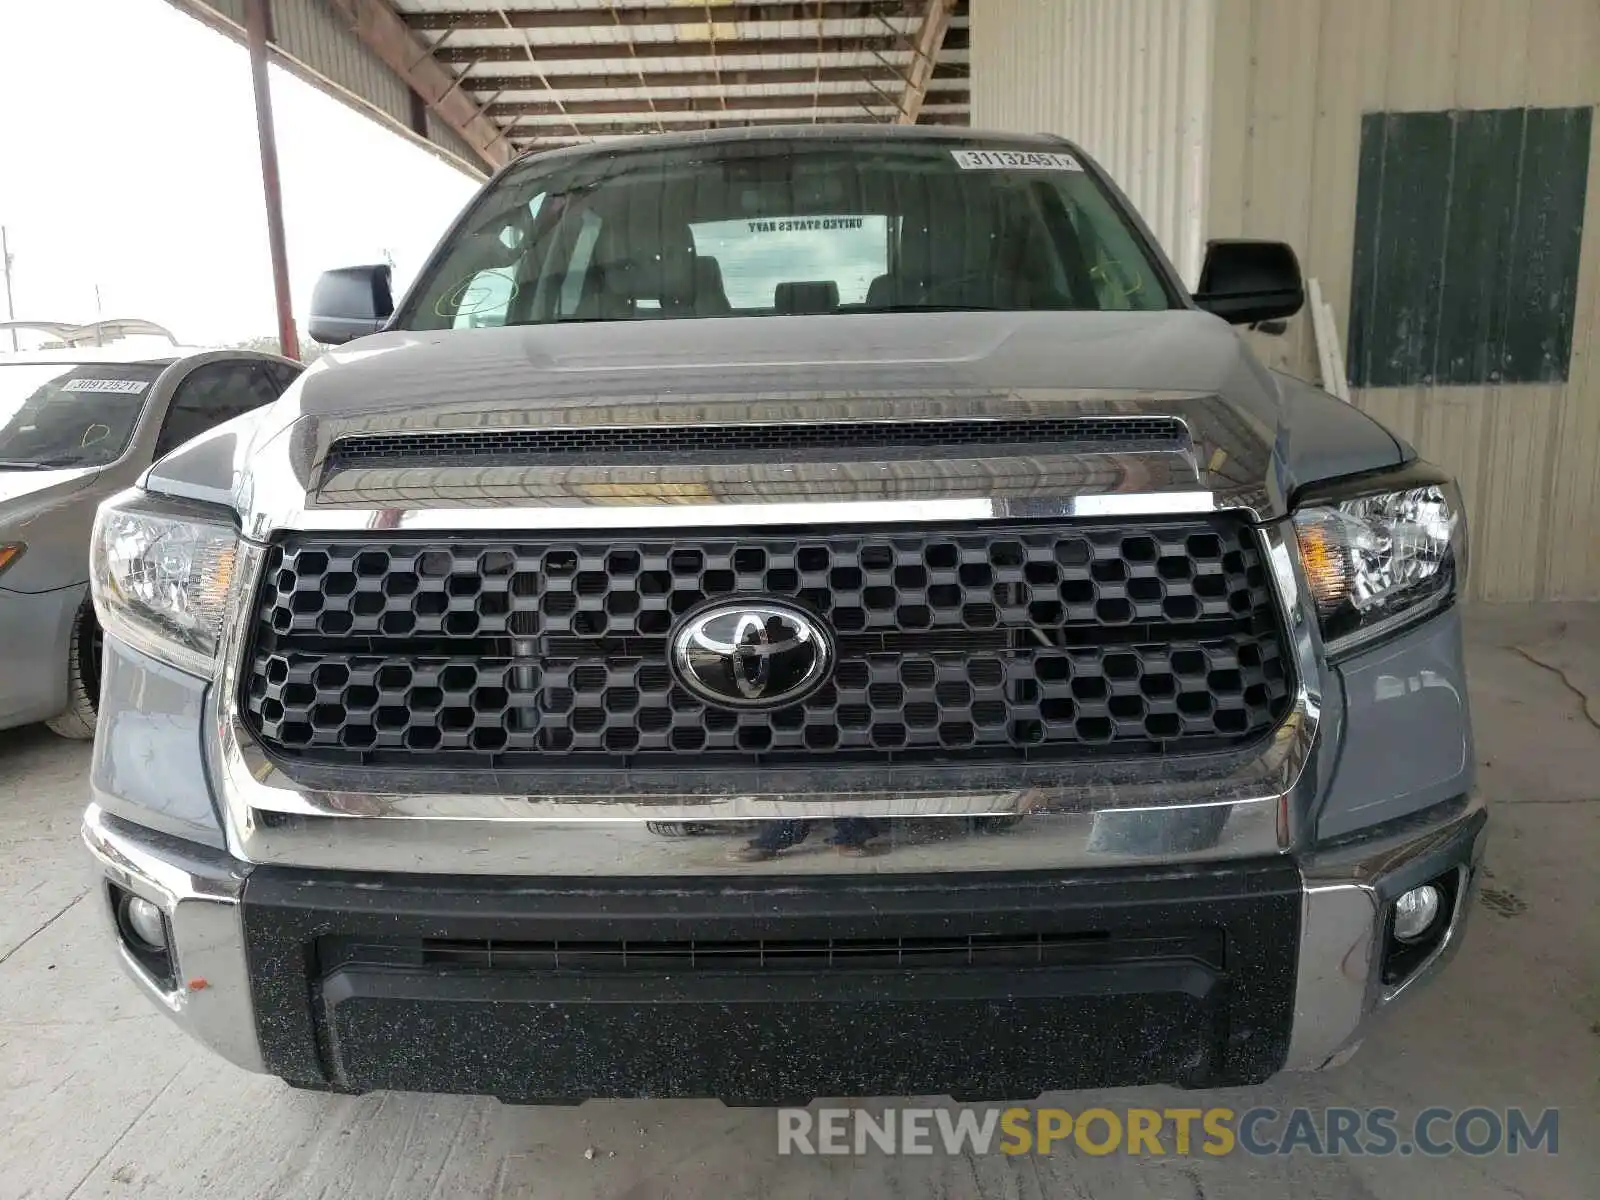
[[69, 414], [787, 226]]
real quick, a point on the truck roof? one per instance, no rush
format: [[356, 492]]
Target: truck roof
[[865, 131]]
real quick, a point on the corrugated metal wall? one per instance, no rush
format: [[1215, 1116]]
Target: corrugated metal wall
[[1278, 88], [1126, 79], [1293, 78], [317, 45]]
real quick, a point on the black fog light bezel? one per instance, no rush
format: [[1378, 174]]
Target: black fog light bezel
[[1402, 959], [156, 961]]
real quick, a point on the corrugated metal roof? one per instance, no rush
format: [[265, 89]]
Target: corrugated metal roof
[[482, 80], [310, 39]]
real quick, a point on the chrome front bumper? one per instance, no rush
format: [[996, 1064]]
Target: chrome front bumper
[[1339, 988], [1348, 888], [199, 890]]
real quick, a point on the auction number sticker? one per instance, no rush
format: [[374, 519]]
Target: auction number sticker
[[123, 387], [1001, 160]]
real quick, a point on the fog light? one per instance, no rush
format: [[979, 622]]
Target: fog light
[[1415, 912], [144, 924]]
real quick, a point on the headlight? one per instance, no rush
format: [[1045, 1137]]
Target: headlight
[[160, 572], [1381, 552]]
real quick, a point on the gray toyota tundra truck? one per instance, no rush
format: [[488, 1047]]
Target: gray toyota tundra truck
[[786, 613]]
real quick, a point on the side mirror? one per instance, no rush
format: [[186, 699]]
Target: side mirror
[[350, 302], [1247, 281]]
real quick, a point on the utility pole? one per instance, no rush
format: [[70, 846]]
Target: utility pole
[[5, 258]]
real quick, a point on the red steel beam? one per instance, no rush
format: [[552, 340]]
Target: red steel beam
[[257, 24]]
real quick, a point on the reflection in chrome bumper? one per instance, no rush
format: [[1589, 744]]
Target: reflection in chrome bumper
[[1339, 985], [625, 847]]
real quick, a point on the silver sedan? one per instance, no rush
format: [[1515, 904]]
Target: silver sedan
[[78, 425]]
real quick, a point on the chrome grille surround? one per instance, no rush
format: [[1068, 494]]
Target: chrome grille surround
[[1105, 811], [1098, 814]]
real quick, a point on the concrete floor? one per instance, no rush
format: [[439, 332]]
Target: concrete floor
[[100, 1096]]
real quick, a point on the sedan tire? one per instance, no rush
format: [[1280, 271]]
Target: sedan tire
[[78, 720]]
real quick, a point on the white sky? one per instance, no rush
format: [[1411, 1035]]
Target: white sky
[[128, 159]]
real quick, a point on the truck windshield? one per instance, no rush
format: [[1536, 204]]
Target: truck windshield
[[786, 226], [69, 414]]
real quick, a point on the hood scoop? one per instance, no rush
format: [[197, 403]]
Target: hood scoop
[[1008, 448], [828, 441]]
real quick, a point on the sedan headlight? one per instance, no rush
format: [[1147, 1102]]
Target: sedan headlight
[[160, 572], [1380, 552]]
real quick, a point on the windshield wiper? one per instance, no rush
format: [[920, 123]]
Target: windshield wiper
[[1032, 308], [905, 308], [850, 311], [840, 312], [41, 464]]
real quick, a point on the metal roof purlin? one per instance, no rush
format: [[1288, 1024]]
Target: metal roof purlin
[[757, 46], [383, 31], [816, 78], [480, 81], [634, 54], [716, 59], [533, 61], [538, 14], [892, 101]]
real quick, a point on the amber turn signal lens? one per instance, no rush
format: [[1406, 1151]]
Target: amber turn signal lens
[[1326, 563], [9, 554], [217, 579]]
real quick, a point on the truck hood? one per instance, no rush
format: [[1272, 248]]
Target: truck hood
[[1256, 435], [420, 375]]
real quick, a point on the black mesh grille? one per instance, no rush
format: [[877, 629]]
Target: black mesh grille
[[700, 442], [1018, 642], [954, 950]]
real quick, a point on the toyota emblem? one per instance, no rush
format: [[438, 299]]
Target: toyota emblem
[[751, 655]]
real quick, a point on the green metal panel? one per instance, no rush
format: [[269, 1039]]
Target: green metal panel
[[1415, 200], [1544, 257], [1468, 226], [1472, 318], [1364, 266]]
